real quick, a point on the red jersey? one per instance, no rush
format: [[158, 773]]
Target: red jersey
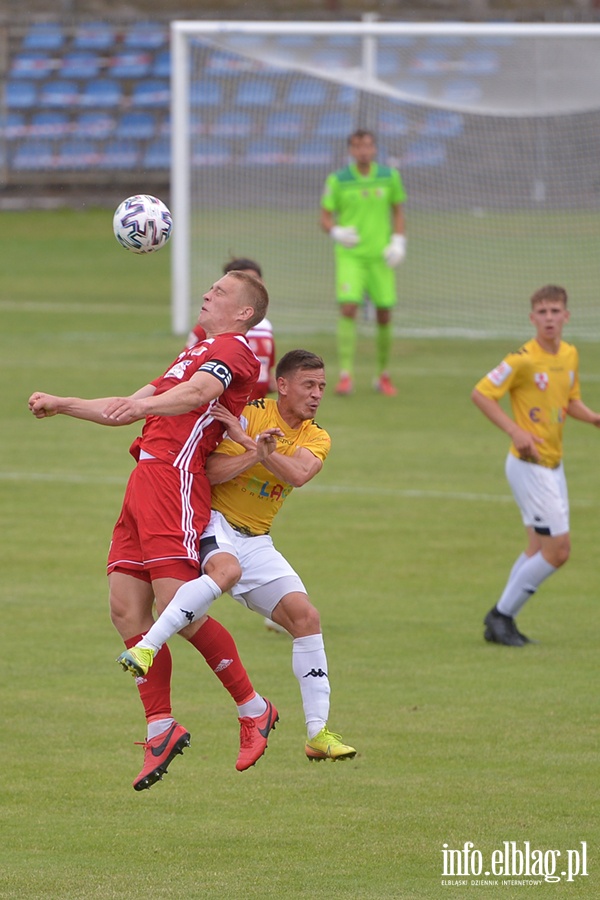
[[186, 440], [262, 345]]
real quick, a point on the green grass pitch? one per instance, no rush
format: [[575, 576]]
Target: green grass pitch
[[404, 541]]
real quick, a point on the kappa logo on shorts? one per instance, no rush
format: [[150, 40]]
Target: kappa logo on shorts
[[541, 379]]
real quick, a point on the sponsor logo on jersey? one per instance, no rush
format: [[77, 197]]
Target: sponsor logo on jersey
[[198, 350], [178, 370], [541, 379], [499, 375]]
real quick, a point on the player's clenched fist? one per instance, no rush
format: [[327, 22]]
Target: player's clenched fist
[[43, 405]]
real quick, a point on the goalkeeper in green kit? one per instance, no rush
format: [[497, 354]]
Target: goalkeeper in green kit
[[361, 210]]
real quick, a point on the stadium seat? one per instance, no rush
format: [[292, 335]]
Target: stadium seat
[[50, 125], [152, 93], [442, 123], [205, 92], [146, 36], [81, 64], [389, 62], [161, 67], [130, 65], [94, 36], [346, 96], [120, 154], [32, 64], [314, 153], [35, 155], [335, 124], [393, 123], [14, 126], [77, 153], [157, 154], [44, 36], [238, 124], [423, 153], [208, 152], [307, 92], [99, 125], [59, 93], [266, 153], [102, 92], [139, 125], [21, 94], [429, 62], [286, 124], [255, 92]]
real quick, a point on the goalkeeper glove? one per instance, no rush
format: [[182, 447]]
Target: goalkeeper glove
[[347, 237], [395, 251]]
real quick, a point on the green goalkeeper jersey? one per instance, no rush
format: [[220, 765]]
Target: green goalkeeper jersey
[[365, 202]]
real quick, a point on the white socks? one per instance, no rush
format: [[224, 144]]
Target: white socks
[[309, 665], [191, 601], [524, 580]]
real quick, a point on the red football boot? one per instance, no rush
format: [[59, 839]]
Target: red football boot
[[254, 733], [158, 753]]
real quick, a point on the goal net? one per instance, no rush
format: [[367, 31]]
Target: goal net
[[494, 128]]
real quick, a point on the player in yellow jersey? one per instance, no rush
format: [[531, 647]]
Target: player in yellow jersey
[[275, 447], [542, 380]]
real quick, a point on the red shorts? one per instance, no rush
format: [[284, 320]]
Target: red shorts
[[164, 512]]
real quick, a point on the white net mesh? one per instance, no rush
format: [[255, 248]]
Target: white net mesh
[[496, 137]]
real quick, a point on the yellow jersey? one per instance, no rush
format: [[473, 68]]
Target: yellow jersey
[[252, 499], [540, 386]]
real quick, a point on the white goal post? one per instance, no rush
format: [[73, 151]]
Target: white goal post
[[494, 127]]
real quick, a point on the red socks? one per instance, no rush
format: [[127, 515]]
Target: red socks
[[218, 648], [155, 687]]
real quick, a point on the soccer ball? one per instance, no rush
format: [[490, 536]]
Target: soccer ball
[[142, 224]]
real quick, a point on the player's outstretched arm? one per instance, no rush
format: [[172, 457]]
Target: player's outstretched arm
[[45, 405]]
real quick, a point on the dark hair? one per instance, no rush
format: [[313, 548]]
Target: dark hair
[[549, 292], [294, 360], [361, 133], [240, 263], [255, 295]]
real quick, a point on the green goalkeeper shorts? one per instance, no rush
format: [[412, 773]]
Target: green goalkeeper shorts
[[357, 277]]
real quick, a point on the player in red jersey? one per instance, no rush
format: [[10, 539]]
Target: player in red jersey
[[155, 546], [260, 337]]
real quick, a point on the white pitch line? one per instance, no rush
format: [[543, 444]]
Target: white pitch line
[[407, 493]]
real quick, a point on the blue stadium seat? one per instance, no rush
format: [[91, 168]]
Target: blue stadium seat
[[59, 93], [255, 92], [99, 125], [161, 67], [44, 36], [424, 153], [35, 155], [120, 154], [205, 92], [393, 124], [32, 64], [94, 36], [334, 59], [314, 153], [146, 36], [81, 64], [208, 152], [285, 124], [130, 65], [238, 124], [139, 125], [429, 62], [346, 96], [335, 124], [50, 125], [13, 126], [307, 92], [21, 94], [442, 123], [266, 153], [157, 154], [77, 153], [102, 92], [153, 93]]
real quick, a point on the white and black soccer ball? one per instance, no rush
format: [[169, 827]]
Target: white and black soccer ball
[[142, 223]]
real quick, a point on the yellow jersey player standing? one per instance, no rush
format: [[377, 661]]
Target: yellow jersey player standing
[[275, 447], [542, 380], [361, 210]]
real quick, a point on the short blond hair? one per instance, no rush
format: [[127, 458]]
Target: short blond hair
[[549, 292]]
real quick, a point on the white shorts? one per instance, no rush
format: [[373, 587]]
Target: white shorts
[[541, 495], [266, 575]]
